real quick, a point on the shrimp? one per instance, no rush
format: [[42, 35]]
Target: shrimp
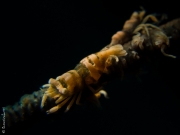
[[68, 87]]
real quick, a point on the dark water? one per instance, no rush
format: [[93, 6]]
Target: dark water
[[44, 39]]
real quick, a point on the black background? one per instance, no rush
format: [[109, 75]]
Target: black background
[[44, 38]]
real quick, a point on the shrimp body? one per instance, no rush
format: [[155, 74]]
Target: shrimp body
[[68, 87]]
